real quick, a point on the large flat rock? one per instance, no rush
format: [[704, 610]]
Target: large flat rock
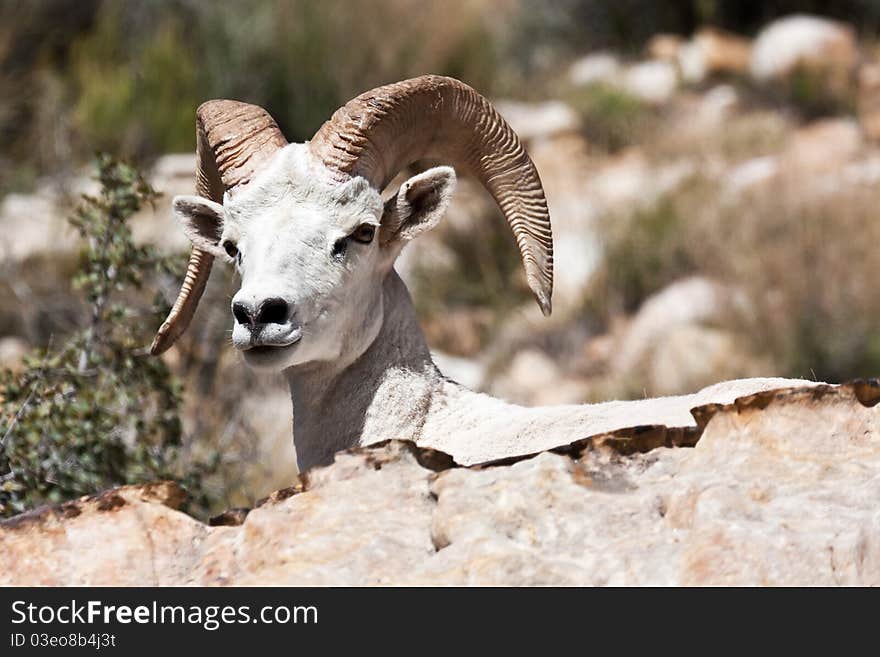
[[782, 488]]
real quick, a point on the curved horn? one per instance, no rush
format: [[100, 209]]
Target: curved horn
[[381, 131], [233, 140]]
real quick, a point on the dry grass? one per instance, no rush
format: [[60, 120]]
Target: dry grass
[[804, 260], [807, 264]]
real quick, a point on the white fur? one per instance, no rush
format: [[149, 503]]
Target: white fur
[[356, 360]]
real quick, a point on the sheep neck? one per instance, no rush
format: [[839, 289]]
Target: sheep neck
[[386, 392], [394, 390]]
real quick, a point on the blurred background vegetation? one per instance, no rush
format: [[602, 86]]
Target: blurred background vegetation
[[126, 76], [754, 202]]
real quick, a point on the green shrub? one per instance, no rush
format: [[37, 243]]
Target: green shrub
[[644, 253], [611, 118], [483, 272], [806, 264], [135, 94], [98, 411], [819, 92]]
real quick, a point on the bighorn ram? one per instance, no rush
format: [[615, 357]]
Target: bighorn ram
[[315, 246]]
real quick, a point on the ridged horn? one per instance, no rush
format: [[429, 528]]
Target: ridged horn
[[381, 131], [233, 140]]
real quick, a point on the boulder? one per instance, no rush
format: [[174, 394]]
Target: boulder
[[824, 146], [827, 153], [594, 68], [779, 490], [466, 371], [803, 41], [36, 223], [754, 173], [653, 82], [532, 121], [690, 356], [685, 302], [534, 379], [33, 224], [673, 345], [665, 47], [717, 105], [12, 352], [711, 52], [869, 100]]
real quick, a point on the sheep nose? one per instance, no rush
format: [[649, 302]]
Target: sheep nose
[[269, 311]]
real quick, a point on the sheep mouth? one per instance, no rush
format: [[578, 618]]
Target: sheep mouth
[[266, 349], [263, 353]]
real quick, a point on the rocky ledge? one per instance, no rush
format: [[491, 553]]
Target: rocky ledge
[[777, 488]]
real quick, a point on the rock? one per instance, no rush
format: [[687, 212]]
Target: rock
[[686, 302], [751, 504], [780, 490], [534, 379], [751, 174], [664, 47], [593, 69], [823, 146], [653, 82], [532, 121], [181, 166], [690, 356], [171, 175], [581, 193], [670, 346], [32, 224], [818, 158], [71, 536], [811, 42], [36, 223], [717, 105], [863, 172], [869, 100], [466, 371], [630, 181], [12, 352], [711, 52]]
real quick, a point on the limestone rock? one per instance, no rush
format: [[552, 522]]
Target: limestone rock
[[665, 47], [711, 52], [534, 379], [594, 68], [533, 121], [803, 41], [869, 99], [673, 344], [691, 356], [780, 489], [36, 223], [12, 352], [686, 302], [824, 146], [653, 82]]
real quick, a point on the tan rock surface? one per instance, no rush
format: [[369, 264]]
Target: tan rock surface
[[782, 489], [812, 42]]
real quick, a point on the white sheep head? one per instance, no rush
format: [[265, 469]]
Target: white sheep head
[[305, 224]]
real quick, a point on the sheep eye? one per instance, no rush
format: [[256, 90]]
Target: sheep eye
[[231, 250], [364, 234]]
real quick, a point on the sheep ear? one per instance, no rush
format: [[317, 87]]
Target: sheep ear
[[202, 221], [418, 205]]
